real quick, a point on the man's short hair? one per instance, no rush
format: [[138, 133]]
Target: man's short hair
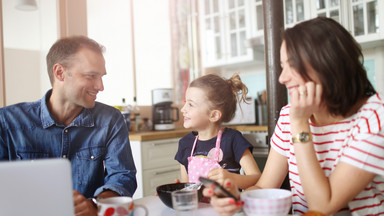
[[64, 49]]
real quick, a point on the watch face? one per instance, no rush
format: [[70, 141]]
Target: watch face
[[304, 137]]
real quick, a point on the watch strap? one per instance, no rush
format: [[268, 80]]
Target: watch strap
[[302, 137]]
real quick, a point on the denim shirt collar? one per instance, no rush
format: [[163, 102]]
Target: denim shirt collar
[[84, 119]]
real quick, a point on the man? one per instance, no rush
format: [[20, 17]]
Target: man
[[68, 123]]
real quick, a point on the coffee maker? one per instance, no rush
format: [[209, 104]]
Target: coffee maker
[[163, 114]]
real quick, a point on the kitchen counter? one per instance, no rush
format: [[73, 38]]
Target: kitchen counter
[[155, 135]]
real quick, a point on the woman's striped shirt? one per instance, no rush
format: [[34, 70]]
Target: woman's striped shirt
[[357, 140]]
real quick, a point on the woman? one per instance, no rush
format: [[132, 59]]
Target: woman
[[330, 137]]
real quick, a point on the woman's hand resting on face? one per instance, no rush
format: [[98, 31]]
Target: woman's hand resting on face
[[224, 206], [305, 100]]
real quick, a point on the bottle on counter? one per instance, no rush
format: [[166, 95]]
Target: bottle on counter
[[136, 120], [126, 112], [139, 122], [147, 124]]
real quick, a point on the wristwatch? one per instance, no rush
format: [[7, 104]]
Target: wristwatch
[[302, 137]]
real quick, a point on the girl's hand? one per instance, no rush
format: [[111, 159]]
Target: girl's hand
[[224, 206], [219, 175], [305, 100]]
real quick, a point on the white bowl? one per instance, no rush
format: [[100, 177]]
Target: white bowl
[[267, 202]]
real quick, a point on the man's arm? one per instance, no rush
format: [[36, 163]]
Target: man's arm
[[3, 146], [119, 165]]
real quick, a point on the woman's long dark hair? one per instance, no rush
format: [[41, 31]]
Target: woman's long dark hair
[[336, 57]]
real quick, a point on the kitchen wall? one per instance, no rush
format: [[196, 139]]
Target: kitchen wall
[[27, 38], [33, 32], [153, 48], [29, 35], [110, 25], [373, 58], [253, 75], [22, 80]]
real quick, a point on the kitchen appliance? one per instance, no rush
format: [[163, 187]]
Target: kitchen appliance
[[259, 141], [245, 113], [164, 115]]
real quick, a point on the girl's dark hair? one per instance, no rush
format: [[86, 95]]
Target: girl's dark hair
[[223, 94], [335, 56]]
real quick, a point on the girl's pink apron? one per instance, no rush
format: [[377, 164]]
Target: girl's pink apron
[[200, 166]]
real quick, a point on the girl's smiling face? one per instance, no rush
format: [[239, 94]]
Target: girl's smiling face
[[196, 109]]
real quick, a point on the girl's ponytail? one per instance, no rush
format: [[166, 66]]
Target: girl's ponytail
[[239, 89], [223, 94]]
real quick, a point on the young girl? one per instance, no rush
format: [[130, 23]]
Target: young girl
[[211, 150]]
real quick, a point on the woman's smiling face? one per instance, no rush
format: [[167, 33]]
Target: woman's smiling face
[[289, 76]]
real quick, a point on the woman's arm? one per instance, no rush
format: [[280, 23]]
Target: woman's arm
[[273, 175], [327, 195]]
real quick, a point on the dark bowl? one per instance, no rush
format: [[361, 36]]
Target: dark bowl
[[164, 192]]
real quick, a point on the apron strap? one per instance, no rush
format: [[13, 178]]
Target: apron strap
[[194, 144], [218, 141]]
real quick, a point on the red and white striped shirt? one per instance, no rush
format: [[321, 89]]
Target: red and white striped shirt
[[357, 140]]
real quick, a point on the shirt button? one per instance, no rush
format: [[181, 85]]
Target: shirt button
[[92, 157], [66, 131], [64, 156]]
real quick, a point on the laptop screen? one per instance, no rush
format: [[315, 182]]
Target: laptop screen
[[38, 187]]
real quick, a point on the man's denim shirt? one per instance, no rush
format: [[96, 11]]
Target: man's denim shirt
[[96, 138]]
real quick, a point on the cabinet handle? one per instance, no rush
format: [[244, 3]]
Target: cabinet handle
[[161, 143], [166, 171]]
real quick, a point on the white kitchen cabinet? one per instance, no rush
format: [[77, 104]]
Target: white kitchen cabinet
[[296, 11], [335, 9], [363, 18], [225, 27], [155, 177], [257, 20], [155, 164], [367, 20]]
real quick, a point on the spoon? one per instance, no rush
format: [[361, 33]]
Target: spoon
[[196, 186]]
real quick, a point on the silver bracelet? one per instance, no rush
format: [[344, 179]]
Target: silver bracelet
[[94, 201]]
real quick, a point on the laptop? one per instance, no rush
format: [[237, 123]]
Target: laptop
[[36, 188]]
